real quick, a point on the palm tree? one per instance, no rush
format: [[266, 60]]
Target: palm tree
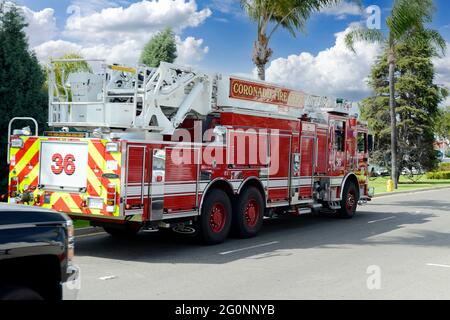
[[63, 70], [288, 14], [407, 23]]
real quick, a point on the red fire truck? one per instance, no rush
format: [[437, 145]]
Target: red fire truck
[[173, 147]]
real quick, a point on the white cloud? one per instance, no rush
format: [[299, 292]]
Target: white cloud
[[119, 34], [227, 6], [41, 24], [335, 71], [342, 10], [190, 50], [91, 6], [136, 21], [55, 49]]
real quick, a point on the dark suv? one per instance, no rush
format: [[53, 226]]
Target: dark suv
[[36, 251]]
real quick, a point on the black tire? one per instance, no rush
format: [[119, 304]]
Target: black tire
[[349, 201], [13, 293], [248, 213], [122, 231], [214, 223]]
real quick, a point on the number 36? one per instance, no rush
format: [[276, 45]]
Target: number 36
[[66, 164]]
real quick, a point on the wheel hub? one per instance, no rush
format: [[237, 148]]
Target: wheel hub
[[351, 200], [251, 213], [218, 218]]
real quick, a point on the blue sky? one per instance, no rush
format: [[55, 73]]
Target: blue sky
[[215, 35]]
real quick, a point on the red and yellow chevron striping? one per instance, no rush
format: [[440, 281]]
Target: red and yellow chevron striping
[[25, 166]]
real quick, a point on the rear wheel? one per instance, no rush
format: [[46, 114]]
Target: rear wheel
[[349, 201], [215, 221], [248, 213]]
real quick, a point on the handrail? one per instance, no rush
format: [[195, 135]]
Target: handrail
[[9, 132]]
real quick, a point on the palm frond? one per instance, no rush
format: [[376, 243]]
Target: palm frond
[[426, 37], [436, 39], [363, 34], [407, 16], [293, 14]]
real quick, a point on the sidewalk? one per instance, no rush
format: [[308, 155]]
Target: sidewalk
[[384, 194]]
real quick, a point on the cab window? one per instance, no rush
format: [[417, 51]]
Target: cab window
[[339, 136], [362, 142]]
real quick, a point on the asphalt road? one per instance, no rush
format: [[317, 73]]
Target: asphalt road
[[397, 247]]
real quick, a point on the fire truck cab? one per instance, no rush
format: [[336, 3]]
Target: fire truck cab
[[173, 147]]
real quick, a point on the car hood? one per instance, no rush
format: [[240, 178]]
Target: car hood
[[20, 214]]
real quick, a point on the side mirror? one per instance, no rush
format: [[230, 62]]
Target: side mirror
[[370, 142]]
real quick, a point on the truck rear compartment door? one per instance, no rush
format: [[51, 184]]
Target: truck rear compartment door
[[136, 180]]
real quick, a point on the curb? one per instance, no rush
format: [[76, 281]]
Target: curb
[[87, 230], [385, 194]]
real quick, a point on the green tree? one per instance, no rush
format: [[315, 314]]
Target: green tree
[[406, 23], [21, 81], [161, 48], [443, 124], [270, 15], [417, 107]]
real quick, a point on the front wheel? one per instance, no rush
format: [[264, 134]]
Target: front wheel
[[215, 221], [349, 201]]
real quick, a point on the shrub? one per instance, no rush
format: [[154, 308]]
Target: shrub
[[439, 175], [444, 166]]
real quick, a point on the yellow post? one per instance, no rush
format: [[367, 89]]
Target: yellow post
[[390, 186]]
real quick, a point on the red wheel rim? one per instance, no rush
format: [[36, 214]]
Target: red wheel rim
[[351, 200], [251, 213], [217, 218]]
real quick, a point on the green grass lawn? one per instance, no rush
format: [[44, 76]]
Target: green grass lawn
[[405, 184], [81, 223]]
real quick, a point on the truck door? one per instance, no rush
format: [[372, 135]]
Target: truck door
[[181, 189], [303, 165], [337, 154], [362, 171], [351, 134], [157, 185], [279, 169], [136, 179]]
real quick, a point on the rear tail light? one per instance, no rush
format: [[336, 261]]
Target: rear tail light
[[14, 185], [111, 197]]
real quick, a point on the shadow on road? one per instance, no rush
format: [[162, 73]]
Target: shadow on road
[[292, 233]]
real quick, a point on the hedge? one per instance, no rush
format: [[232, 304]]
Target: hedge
[[444, 166], [440, 175]]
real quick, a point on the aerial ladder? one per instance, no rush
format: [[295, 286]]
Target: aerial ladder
[[157, 100]]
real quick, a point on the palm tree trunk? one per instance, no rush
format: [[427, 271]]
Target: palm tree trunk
[[261, 55], [394, 161], [261, 71]]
